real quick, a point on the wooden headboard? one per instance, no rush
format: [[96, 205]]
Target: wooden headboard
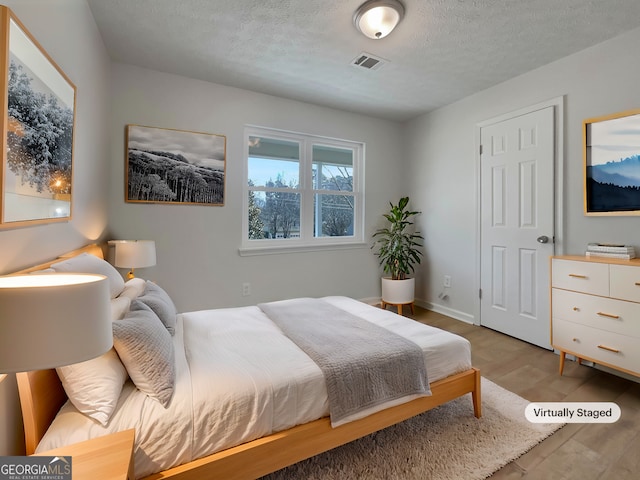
[[41, 393], [93, 249]]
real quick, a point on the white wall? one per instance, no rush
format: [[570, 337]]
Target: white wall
[[442, 176], [67, 31], [197, 246]]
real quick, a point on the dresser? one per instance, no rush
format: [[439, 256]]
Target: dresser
[[595, 311]]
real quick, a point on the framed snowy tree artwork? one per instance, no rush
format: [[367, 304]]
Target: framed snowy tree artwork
[[38, 117], [174, 166]]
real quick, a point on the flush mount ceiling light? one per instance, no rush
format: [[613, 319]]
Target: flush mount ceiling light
[[377, 18]]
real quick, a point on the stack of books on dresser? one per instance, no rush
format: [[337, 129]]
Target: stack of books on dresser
[[608, 250]]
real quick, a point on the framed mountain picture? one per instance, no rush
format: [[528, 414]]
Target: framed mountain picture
[[174, 166], [612, 164]]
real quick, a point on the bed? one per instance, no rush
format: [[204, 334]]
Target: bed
[[286, 399]]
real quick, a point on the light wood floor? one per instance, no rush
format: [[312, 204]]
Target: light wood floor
[[577, 451]]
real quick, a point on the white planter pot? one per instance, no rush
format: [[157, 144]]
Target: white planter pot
[[398, 292]]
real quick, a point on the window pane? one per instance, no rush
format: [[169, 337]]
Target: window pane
[[256, 223], [274, 163], [301, 190], [332, 168], [333, 216], [273, 215]]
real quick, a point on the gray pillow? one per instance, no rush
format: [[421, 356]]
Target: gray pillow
[[146, 350], [137, 305], [160, 302]]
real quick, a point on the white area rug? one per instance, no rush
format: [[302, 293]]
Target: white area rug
[[446, 443]]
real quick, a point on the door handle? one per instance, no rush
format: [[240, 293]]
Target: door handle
[[543, 239]]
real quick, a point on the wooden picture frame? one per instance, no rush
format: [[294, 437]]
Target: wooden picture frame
[[612, 164], [174, 166], [38, 125]]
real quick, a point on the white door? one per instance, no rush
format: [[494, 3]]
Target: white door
[[517, 221]]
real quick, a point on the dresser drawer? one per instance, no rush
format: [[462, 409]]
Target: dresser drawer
[[578, 276], [602, 347], [604, 313], [625, 282]]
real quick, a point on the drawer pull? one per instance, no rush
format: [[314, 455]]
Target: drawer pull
[[609, 349], [608, 315], [575, 275], [638, 284], [576, 309]]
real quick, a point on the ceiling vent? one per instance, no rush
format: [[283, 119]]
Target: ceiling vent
[[368, 61]]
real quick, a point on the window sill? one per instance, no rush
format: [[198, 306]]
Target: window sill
[[281, 249]]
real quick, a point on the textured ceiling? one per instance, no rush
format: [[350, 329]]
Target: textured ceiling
[[442, 51]]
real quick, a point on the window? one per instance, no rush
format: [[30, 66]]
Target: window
[[301, 192]]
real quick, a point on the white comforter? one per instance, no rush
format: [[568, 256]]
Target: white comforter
[[239, 378]]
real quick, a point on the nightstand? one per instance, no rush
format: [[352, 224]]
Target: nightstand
[[105, 458]]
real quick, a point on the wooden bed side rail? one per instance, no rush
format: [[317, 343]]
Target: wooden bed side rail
[[268, 454]]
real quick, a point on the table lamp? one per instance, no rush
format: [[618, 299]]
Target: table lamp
[[50, 320], [134, 254]]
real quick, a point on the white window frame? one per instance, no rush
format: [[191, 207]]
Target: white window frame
[[306, 241]]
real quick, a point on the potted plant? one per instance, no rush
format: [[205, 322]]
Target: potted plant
[[398, 249]]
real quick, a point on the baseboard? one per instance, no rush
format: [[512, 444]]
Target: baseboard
[[449, 312], [370, 300]]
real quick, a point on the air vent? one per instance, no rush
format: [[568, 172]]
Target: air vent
[[368, 61]]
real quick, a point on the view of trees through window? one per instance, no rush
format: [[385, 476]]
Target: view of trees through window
[[295, 188]]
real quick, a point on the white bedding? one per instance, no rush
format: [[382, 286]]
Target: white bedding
[[239, 378]]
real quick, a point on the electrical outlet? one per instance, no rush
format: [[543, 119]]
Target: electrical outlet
[[447, 281], [246, 289]]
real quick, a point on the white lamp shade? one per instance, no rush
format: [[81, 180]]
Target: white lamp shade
[[377, 18], [134, 253], [51, 320]]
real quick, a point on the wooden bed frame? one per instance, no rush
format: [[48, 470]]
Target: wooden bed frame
[[42, 396]]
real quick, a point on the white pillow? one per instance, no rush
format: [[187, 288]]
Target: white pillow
[[87, 263], [133, 288], [146, 350], [94, 386], [119, 307]]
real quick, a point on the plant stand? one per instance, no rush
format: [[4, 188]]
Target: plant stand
[[398, 306]]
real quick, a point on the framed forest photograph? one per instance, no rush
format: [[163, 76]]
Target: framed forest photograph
[[612, 164], [38, 122], [174, 166]]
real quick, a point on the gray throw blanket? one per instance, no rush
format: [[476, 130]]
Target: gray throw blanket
[[364, 365]]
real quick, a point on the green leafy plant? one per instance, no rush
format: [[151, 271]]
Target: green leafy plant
[[398, 248]]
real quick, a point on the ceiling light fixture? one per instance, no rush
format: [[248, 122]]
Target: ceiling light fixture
[[377, 18]]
